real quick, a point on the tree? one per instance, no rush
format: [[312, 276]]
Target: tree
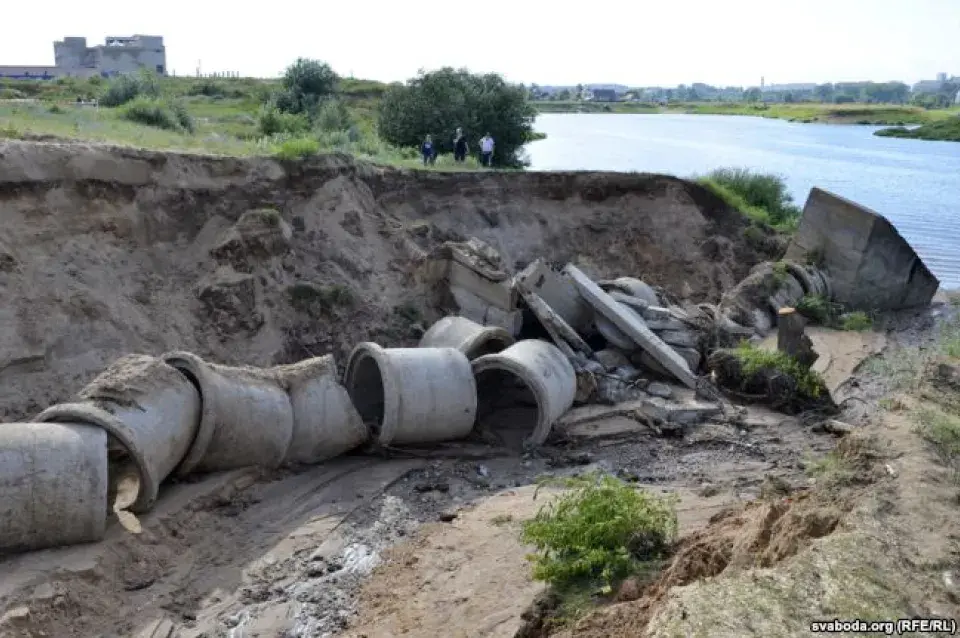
[[439, 102], [752, 95], [306, 84], [824, 92], [579, 95]]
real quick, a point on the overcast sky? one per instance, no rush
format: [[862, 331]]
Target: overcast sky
[[633, 42]]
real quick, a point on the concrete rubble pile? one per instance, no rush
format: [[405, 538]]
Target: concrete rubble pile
[[549, 330]]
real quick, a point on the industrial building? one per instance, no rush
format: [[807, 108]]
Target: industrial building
[[116, 56]]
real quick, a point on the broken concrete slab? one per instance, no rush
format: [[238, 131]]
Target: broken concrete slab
[[494, 293], [559, 329], [633, 287], [630, 325], [679, 338], [611, 358], [686, 413], [644, 359], [870, 265], [558, 291], [476, 309]]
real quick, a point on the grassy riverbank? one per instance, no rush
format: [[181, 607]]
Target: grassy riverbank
[[876, 114], [203, 115], [947, 130]]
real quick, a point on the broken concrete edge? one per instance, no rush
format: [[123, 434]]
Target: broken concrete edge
[[558, 292], [635, 329], [546, 372], [552, 321], [870, 265]]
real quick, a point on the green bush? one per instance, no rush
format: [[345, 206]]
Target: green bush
[[333, 115], [306, 85], [297, 148], [757, 194], [754, 360], [439, 102], [600, 531], [857, 321], [127, 88], [272, 121], [159, 114]]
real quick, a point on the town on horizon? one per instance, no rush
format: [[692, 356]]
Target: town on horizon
[[120, 55]]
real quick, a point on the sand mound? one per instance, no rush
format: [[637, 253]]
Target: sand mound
[[107, 251]]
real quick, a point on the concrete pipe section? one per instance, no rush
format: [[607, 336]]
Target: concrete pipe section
[[412, 395], [325, 423], [246, 417], [467, 336], [53, 485], [544, 370], [148, 407]]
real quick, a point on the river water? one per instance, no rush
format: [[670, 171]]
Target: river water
[[913, 183]]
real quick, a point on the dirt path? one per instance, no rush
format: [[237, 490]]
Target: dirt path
[[469, 577]]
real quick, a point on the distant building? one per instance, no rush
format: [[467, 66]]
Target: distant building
[[603, 95], [928, 86], [116, 56]]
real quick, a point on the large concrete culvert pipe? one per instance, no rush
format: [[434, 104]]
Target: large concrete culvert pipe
[[325, 422], [148, 407], [542, 368], [412, 395], [467, 336], [53, 485], [246, 418]]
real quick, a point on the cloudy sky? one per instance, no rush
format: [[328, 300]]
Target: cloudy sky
[[633, 42]]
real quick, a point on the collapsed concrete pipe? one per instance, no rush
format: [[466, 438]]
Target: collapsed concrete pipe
[[412, 395], [53, 485], [325, 423], [148, 407], [246, 417], [467, 336], [545, 371], [633, 287]]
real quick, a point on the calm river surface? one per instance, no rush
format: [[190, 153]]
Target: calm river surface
[[915, 184]]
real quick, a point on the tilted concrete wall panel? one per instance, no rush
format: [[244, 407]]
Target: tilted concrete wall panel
[[871, 266]]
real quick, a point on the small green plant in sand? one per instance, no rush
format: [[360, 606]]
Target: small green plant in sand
[[598, 532], [942, 430], [754, 360], [297, 148], [856, 321]]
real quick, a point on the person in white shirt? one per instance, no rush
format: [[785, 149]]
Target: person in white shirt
[[486, 150]]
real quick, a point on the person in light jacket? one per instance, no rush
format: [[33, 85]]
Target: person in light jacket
[[486, 150]]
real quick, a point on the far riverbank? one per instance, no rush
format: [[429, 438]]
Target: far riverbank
[[866, 114]]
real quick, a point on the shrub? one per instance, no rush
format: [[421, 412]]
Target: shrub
[[858, 321], [273, 121], [759, 361], [306, 84], [758, 192], [439, 102], [159, 114], [297, 148], [127, 88], [818, 309], [600, 531], [333, 116]]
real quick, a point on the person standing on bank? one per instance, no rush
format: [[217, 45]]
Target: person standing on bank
[[459, 146], [486, 150], [426, 149]]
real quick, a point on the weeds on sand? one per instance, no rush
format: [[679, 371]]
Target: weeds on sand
[[942, 430], [856, 321], [761, 196], [754, 360], [598, 532]]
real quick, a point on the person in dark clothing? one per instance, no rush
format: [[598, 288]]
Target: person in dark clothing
[[460, 146], [428, 151]]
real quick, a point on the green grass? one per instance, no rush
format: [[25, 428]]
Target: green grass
[[856, 321], [947, 130], [599, 532], [754, 360], [942, 430], [762, 197], [211, 116], [878, 114]]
